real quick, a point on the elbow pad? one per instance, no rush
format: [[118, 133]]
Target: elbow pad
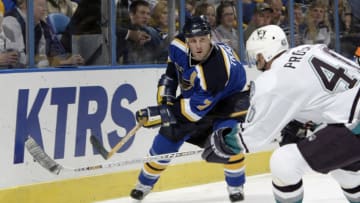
[[166, 92]]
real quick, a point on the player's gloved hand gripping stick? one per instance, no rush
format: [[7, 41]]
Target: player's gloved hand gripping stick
[[149, 117]]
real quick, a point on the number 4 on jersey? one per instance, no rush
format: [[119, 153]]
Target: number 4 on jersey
[[331, 76]]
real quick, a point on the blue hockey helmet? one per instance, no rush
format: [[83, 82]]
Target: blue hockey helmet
[[196, 26]]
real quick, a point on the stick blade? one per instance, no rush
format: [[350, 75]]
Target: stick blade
[[99, 147], [41, 157]]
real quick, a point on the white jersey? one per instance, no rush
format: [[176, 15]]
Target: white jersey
[[306, 83]]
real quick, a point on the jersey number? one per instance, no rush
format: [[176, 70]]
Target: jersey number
[[331, 76]]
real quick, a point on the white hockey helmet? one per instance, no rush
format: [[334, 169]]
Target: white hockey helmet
[[269, 40]]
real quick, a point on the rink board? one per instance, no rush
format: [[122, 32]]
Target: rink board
[[60, 109], [116, 185]]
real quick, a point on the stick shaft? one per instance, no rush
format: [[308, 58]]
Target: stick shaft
[[136, 161], [124, 140], [51, 165]]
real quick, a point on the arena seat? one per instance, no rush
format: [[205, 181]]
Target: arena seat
[[57, 23]]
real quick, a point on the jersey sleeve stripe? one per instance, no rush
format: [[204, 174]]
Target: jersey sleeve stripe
[[180, 45], [353, 107], [187, 112], [200, 73], [226, 61]]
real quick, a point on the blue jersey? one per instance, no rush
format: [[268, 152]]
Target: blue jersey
[[204, 84]]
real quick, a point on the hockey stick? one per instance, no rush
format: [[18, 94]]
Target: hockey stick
[[101, 149], [107, 154], [51, 165]]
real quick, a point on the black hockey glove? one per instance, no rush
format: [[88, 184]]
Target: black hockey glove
[[295, 131], [221, 145], [166, 92], [154, 116]]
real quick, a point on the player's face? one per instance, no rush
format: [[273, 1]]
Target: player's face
[[141, 17], [211, 16], [199, 46], [228, 16], [39, 10]]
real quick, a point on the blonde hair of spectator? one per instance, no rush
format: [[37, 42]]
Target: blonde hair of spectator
[[202, 9], [2, 8], [157, 16], [313, 23], [66, 7]]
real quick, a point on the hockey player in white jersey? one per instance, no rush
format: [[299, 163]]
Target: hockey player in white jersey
[[308, 83]]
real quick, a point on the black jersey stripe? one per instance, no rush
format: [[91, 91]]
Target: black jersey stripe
[[353, 108]]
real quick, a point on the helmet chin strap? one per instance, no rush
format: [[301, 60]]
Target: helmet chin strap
[[263, 69], [266, 63]]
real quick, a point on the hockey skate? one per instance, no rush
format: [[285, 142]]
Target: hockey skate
[[236, 194], [140, 191]]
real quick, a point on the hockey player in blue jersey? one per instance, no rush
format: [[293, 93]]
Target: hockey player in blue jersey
[[207, 110]]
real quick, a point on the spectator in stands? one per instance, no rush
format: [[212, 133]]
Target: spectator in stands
[[124, 34], [262, 16], [46, 49], [190, 8], [159, 21], [299, 24], [8, 57], [225, 30], [123, 19], [355, 15], [318, 29], [248, 10], [351, 39], [278, 11], [208, 10], [137, 36], [66, 7], [140, 19], [154, 2], [344, 10]]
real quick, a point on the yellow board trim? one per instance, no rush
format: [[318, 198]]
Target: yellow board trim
[[115, 185]]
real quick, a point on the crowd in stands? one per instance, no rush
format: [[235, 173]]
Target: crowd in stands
[[142, 33], [313, 23], [48, 49]]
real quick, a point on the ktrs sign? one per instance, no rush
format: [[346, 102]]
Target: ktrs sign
[[28, 122]]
